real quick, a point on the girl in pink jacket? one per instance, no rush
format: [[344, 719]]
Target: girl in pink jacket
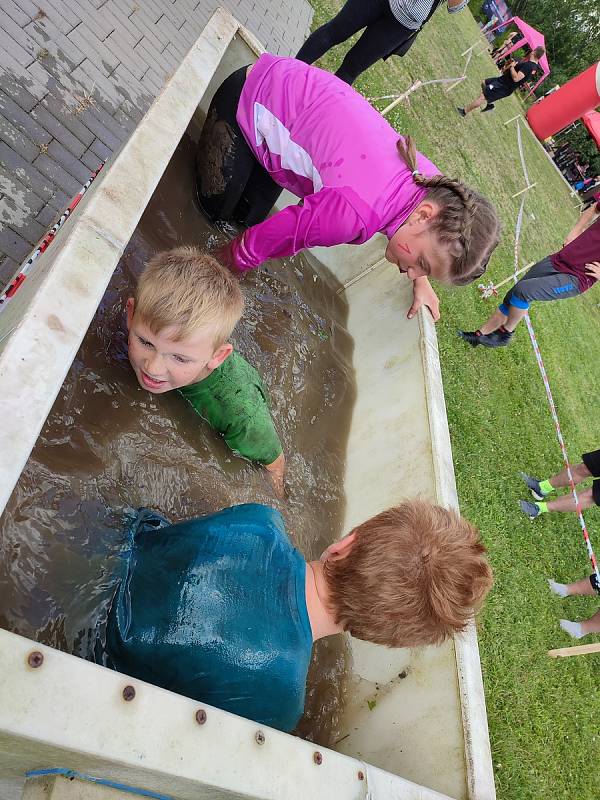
[[284, 124]]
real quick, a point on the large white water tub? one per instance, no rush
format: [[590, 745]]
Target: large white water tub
[[415, 724]]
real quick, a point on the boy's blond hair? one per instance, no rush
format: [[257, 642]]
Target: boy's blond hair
[[189, 290], [414, 575]]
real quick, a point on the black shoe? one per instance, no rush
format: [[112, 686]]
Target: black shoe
[[532, 510], [489, 107], [472, 337], [461, 111], [495, 339]]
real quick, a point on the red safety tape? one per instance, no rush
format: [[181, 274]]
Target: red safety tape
[[553, 411], [45, 242]]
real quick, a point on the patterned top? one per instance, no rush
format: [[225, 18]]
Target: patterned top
[[413, 13]]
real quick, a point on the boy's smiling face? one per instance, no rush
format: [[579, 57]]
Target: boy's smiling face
[[163, 363]]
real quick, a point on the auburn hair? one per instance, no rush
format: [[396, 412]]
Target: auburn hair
[[415, 575], [187, 289], [539, 52], [467, 222]]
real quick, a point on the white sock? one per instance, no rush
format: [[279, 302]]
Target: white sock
[[572, 628], [558, 588]]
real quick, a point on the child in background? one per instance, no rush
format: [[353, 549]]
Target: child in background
[[223, 609], [589, 468], [185, 308], [571, 271], [586, 586]]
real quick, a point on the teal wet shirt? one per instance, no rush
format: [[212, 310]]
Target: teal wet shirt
[[233, 400], [214, 609]]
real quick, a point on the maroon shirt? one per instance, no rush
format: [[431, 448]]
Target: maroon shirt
[[581, 251]]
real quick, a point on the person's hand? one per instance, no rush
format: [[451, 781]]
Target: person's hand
[[423, 295], [593, 269]]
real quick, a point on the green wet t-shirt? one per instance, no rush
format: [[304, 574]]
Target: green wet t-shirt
[[233, 400]]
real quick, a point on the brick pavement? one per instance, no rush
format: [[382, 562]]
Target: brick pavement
[[76, 77]]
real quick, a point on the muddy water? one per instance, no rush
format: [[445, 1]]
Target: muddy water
[[109, 445]]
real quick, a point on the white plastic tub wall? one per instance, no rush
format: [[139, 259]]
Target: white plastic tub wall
[[414, 719]]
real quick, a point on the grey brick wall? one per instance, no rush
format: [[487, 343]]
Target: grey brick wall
[[76, 77]]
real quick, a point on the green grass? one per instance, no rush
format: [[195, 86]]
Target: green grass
[[541, 711]]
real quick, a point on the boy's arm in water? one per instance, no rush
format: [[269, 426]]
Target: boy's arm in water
[[276, 472], [424, 295], [584, 221], [324, 219]]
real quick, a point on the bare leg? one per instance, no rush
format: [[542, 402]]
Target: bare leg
[[494, 322], [566, 503], [515, 315], [579, 587], [479, 101], [591, 625], [579, 471]]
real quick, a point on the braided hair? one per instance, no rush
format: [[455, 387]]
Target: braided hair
[[467, 222]]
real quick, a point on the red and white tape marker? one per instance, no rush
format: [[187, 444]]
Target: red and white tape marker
[[27, 265]]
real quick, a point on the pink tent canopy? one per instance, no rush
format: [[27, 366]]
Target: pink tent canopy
[[591, 120], [531, 37]]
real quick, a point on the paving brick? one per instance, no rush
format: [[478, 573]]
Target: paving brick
[[121, 22], [47, 35], [22, 120], [68, 162], [96, 83], [14, 12], [90, 45], [58, 176], [20, 194], [127, 119], [161, 62], [55, 105], [169, 30], [91, 160], [12, 47], [14, 82], [152, 81], [36, 79], [126, 54], [62, 14], [93, 18], [13, 244], [60, 200], [58, 130], [47, 217], [14, 138], [30, 230], [102, 132], [132, 90], [101, 150], [28, 7], [25, 172], [8, 268], [143, 25]]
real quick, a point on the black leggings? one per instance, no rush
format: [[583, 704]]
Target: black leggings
[[230, 183], [383, 35]]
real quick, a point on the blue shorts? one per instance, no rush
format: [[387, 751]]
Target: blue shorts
[[542, 282]]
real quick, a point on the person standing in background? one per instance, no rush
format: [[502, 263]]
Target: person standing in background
[[390, 28]]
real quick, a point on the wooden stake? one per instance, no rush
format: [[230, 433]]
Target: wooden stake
[[578, 650], [526, 189]]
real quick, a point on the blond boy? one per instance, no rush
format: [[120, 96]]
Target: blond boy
[[185, 308]]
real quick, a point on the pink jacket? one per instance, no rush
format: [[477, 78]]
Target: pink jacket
[[323, 141]]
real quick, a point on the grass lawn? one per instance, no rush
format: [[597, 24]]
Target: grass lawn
[[545, 741]]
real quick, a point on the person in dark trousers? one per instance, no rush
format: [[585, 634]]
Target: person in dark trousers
[[516, 75], [390, 28]]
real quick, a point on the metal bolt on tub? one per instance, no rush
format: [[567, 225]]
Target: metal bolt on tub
[[260, 737], [35, 659], [317, 758], [200, 716], [128, 693]]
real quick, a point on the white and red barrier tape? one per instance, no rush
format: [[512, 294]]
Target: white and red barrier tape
[[27, 265], [544, 374]]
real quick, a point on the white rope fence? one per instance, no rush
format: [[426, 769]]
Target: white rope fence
[[418, 84]]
